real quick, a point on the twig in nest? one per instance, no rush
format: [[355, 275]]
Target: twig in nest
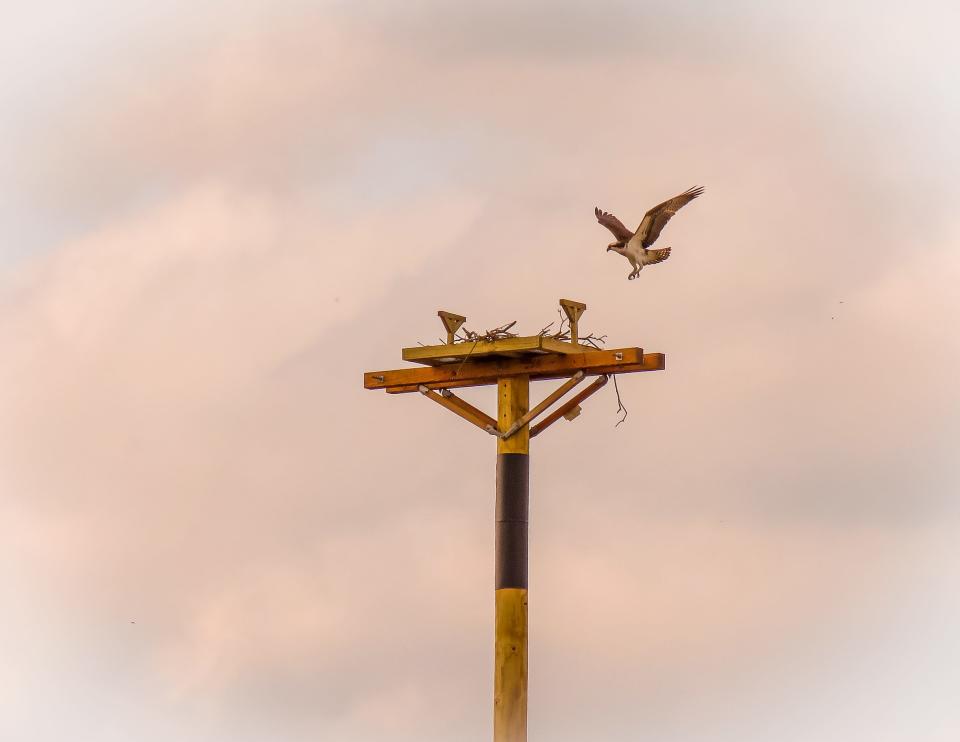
[[620, 407], [594, 340], [497, 333], [563, 333], [504, 331]]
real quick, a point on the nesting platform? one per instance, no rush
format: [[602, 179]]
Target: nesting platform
[[516, 347], [483, 362]]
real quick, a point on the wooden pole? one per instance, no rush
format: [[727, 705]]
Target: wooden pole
[[512, 515]]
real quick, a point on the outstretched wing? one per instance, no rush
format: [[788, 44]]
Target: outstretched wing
[[656, 219], [613, 224], [655, 256]]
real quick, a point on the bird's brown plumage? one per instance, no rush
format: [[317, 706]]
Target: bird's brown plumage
[[656, 219], [656, 256], [613, 224], [653, 221]]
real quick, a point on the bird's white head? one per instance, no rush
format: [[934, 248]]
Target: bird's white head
[[616, 247]]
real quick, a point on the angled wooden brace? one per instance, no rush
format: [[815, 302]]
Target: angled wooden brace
[[567, 408], [550, 399], [461, 407]]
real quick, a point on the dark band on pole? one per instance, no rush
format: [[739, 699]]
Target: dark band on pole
[[512, 517]]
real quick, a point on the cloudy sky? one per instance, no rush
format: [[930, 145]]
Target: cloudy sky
[[213, 219]]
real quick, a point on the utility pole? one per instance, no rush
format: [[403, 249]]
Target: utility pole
[[511, 363]]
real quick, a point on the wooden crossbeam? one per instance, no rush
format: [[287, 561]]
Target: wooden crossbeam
[[481, 373], [564, 409], [651, 362]]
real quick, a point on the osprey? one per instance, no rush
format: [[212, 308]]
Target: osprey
[[634, 245]]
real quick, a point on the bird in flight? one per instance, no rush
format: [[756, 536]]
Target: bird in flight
[[634, 246]]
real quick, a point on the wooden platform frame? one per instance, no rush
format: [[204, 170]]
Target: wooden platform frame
[[537, 367]]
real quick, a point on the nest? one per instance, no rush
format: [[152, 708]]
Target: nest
[[506, 331]]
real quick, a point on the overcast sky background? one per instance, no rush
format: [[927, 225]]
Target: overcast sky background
[[213, 219]]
